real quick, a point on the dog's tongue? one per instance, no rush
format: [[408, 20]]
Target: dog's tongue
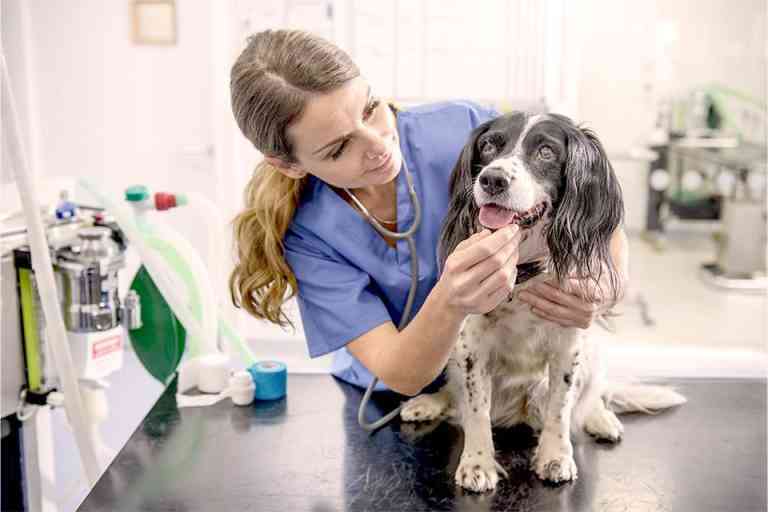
[[495, 217]]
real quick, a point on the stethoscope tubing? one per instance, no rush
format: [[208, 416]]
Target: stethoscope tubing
[[405, 318]]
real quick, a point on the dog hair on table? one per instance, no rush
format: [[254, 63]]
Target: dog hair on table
[[509, 366]]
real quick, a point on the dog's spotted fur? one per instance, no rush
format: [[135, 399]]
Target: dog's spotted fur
[[510, 366]]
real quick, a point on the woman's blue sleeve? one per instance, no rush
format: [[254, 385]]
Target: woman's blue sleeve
[[336, 300], [477, 113]]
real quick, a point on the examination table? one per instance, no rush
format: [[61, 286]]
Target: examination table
[[307, 453]]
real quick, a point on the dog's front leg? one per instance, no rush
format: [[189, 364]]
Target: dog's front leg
[[553, 459], [478, 470]]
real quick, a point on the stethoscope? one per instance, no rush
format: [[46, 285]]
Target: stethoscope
[[408, 236]]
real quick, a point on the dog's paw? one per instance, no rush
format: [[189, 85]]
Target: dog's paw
[[423, 408], [414, 431], [479, 474], [557, 470], [554, 462], [604, 425]]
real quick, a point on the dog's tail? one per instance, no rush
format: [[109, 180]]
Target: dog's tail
[[622, 398]]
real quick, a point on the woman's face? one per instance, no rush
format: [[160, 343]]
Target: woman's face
[[347, 138]]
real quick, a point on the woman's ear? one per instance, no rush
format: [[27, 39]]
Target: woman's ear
[[291, 170]]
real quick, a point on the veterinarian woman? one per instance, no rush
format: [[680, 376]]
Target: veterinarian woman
[[332, 149]]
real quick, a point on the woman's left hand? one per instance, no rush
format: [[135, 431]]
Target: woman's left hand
[[550, 302]]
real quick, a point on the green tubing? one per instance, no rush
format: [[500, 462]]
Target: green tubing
[[184, 271], [727, 91], [720, 96], [226, 330], [178, 263]]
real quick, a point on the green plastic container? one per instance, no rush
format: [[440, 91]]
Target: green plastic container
[[159, 343]]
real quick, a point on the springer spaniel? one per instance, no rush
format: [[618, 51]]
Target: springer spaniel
[[510, 366]]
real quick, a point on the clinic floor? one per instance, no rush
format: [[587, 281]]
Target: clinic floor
[[684, 309], [697, 331]]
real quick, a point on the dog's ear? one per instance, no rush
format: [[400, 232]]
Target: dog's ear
[[590, 210], [459, 223]]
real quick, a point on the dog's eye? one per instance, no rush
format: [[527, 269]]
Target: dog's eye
[[546, 153], [488, 148]]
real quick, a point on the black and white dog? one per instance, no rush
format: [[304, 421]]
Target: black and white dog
[[510, 366]]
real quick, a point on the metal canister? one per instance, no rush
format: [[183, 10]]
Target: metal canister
[[88, 281]]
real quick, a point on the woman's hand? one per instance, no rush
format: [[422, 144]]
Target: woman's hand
[[550, 302], [481, 272], [568, 309], [564, 308]]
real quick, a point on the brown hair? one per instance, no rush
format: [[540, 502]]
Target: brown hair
[[270, 83]]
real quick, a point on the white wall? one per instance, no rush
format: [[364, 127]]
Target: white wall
[[109, 107], [635, 52]]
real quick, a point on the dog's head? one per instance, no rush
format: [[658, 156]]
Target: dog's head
[[539, 170]]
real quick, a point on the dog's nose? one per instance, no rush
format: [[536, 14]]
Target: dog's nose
[[494, 180]]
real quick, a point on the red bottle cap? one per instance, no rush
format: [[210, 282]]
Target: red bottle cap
[[164, 201]]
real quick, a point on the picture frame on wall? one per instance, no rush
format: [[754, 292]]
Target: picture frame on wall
[[154, 22]]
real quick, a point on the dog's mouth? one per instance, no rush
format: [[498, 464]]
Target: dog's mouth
[[494, 216]]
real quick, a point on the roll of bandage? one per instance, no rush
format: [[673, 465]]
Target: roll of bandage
[[213, 373], [270, 378]]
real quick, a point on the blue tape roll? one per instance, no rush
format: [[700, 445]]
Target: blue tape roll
[[270, 378]]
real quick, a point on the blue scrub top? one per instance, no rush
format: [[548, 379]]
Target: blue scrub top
[[349, 279]]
